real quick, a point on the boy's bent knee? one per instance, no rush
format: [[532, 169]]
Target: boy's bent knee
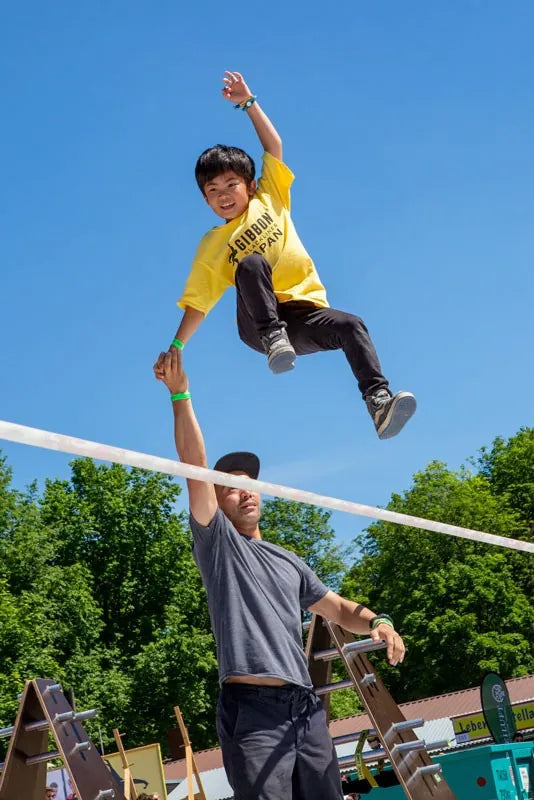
[[350, 323]]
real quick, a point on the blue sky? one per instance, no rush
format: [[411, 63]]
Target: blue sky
[[409, 128]]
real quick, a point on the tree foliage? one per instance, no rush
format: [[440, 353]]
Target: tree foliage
[[509, 468], [464, 608], [306, 530], [99, 590]]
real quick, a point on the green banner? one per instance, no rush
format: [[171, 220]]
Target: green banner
[[497, 708]]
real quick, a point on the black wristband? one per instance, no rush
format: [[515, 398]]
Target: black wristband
[[378, 618]]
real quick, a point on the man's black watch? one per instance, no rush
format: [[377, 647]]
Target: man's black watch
[[378, 619]]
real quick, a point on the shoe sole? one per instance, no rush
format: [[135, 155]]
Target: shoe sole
[[282, 362], [402, 409]]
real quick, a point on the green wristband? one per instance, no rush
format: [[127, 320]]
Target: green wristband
[[181, 396], [381, 619], [177, 343]]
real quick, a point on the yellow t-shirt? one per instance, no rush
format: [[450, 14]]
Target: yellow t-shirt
[[265, 228]]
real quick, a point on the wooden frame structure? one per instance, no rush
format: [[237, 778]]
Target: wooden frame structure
[[419, 777], [130, 792], [190, 763], [44, 711]]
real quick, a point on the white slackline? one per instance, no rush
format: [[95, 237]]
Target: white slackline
[[104, 452]]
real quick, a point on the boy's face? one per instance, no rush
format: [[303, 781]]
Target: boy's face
[[228, 195]]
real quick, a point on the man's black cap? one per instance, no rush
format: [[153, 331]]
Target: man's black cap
[[239, 462]]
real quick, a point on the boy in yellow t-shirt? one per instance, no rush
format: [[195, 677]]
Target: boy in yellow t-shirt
[[282, 309]]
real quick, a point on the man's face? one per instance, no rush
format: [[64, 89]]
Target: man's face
[[228, 195], [242, 507]]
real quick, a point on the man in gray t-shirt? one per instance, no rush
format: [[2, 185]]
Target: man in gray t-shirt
[[271, 725]]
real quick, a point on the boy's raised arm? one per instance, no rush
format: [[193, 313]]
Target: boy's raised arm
[[237, 91]]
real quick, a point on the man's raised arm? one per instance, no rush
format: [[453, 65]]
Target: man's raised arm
[[237, 91], [187, 434]]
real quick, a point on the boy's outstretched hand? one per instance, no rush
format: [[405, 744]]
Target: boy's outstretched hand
[[235, 89]]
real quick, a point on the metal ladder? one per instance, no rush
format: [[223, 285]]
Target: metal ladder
[[44, 710], [418, 775]]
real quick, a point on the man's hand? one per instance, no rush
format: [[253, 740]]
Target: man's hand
[[235, 90], [169, 369], [395, 645], [356, 618]]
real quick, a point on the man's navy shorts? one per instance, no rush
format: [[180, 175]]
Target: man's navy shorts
[[275, 743]]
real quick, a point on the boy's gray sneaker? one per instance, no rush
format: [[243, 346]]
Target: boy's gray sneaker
[[280, 353], [390, 413]]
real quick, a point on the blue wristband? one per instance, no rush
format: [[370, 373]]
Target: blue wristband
[[246, 103]]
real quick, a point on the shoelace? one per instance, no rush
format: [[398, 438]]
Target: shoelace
[[273, 336], [380, 400]]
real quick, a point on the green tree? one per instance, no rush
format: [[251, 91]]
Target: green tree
[[457, 603], [509, 469], [99, 590], [23, 622], [178, 652], [306, 530], [344, 702], [121, 525]]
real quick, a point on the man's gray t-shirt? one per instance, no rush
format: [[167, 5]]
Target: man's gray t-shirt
[[255, 592]]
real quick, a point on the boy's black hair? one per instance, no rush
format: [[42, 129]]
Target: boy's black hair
[[223, 158]]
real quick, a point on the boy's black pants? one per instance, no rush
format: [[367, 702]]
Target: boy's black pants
[[275, 743], [310, 328]]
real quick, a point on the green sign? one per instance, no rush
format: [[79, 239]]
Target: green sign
[[497, 708]]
